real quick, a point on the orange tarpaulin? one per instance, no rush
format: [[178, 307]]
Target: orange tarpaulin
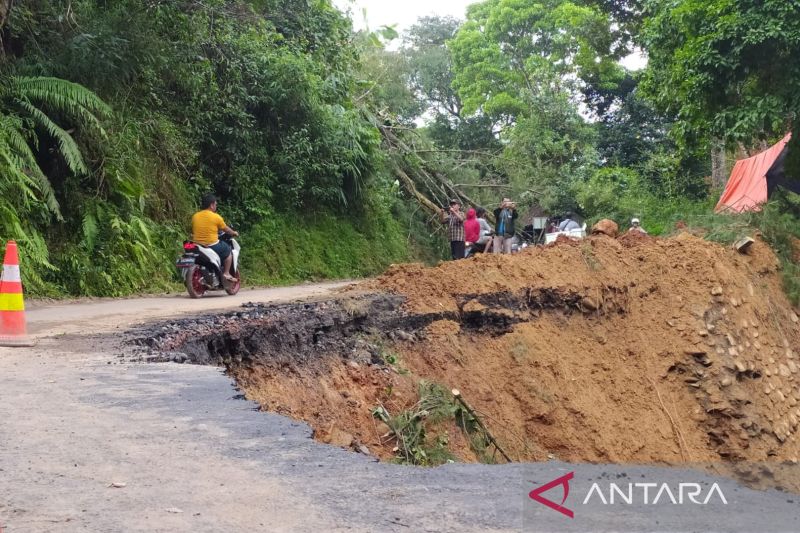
[[747, 187]]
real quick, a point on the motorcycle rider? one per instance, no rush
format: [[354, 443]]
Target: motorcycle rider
[[206, 225]]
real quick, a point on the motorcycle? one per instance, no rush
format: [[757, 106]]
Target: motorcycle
[[201, 268], [474, 248]]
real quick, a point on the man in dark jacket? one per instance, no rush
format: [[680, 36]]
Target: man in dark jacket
[[454, 219], [505, 215]]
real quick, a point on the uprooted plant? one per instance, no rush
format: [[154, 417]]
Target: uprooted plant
[[420, 439]]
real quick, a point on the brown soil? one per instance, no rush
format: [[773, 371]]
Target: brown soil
[[606, 227], [796, 250], [634, 350], [685, 350]]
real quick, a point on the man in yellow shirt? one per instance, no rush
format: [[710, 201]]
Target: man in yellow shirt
[[206, 225]]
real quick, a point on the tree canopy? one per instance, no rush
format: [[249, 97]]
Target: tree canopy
[[116, 116]]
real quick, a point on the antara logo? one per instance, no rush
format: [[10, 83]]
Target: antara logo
[[633, 493], [536, 494]]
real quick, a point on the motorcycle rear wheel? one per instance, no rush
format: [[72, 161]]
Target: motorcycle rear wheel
[[232, 287], [194, 282]]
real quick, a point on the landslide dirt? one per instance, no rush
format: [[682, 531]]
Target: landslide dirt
[[628, 350]]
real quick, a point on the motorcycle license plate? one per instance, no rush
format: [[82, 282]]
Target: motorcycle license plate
[[185, 262]]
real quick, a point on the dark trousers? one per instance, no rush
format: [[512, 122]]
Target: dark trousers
[[457, 249]]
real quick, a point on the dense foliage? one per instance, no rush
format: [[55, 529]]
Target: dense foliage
[[252, 100], [333, 152]]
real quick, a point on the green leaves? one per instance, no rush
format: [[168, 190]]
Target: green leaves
[[510, 50], [63, 96], [727, 69], [22, 118]]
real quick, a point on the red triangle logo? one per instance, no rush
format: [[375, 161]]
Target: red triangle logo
[[536, 494]]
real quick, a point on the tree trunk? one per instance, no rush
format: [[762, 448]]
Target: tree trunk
[[719, 173], [5, 11], [408, 183]]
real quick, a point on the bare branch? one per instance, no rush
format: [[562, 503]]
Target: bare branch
[[486, 185]]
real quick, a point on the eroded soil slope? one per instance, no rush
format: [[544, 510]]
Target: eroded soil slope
[[631, 350]]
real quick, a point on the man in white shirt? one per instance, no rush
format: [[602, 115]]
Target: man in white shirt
[[568, 224]]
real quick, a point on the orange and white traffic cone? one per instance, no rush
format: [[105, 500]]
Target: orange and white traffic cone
[[12, 306]]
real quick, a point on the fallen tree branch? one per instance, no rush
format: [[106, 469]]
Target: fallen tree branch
[[408, 183], [485, 185], [459, 399], [446, 150]]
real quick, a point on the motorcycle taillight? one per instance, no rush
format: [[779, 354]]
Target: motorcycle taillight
[[189, 246]]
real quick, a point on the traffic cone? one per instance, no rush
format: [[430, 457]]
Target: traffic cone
[[12, 305]]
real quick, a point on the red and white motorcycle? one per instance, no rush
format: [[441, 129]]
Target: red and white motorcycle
[[201, 268]]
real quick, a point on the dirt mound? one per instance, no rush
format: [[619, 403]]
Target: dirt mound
[[634, 238], [606, 227], [635, 349], [668, 350]]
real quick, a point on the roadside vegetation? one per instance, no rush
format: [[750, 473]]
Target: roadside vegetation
[[331, 152]]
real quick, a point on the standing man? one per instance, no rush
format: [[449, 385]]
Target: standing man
[[206, 224], [505, 215], [568, 223], [454, 219]]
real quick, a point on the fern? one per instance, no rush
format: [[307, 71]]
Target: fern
[[22, 158], [69, 98], [67, 145], [26, 194], [90, 231]]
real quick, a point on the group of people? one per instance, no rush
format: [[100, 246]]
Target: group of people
[[569, 223], [471, 232], [468, 233]]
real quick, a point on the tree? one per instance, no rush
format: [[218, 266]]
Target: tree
[[725, 69], [431, 64], [522, 66], [385, 78], [631, 130], [431, 80], [510, 50], [548, 152]]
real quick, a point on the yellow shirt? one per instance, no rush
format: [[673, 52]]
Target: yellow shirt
[[205, 227]]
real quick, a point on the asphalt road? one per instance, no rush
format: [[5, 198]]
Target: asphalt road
[[89, 442]]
